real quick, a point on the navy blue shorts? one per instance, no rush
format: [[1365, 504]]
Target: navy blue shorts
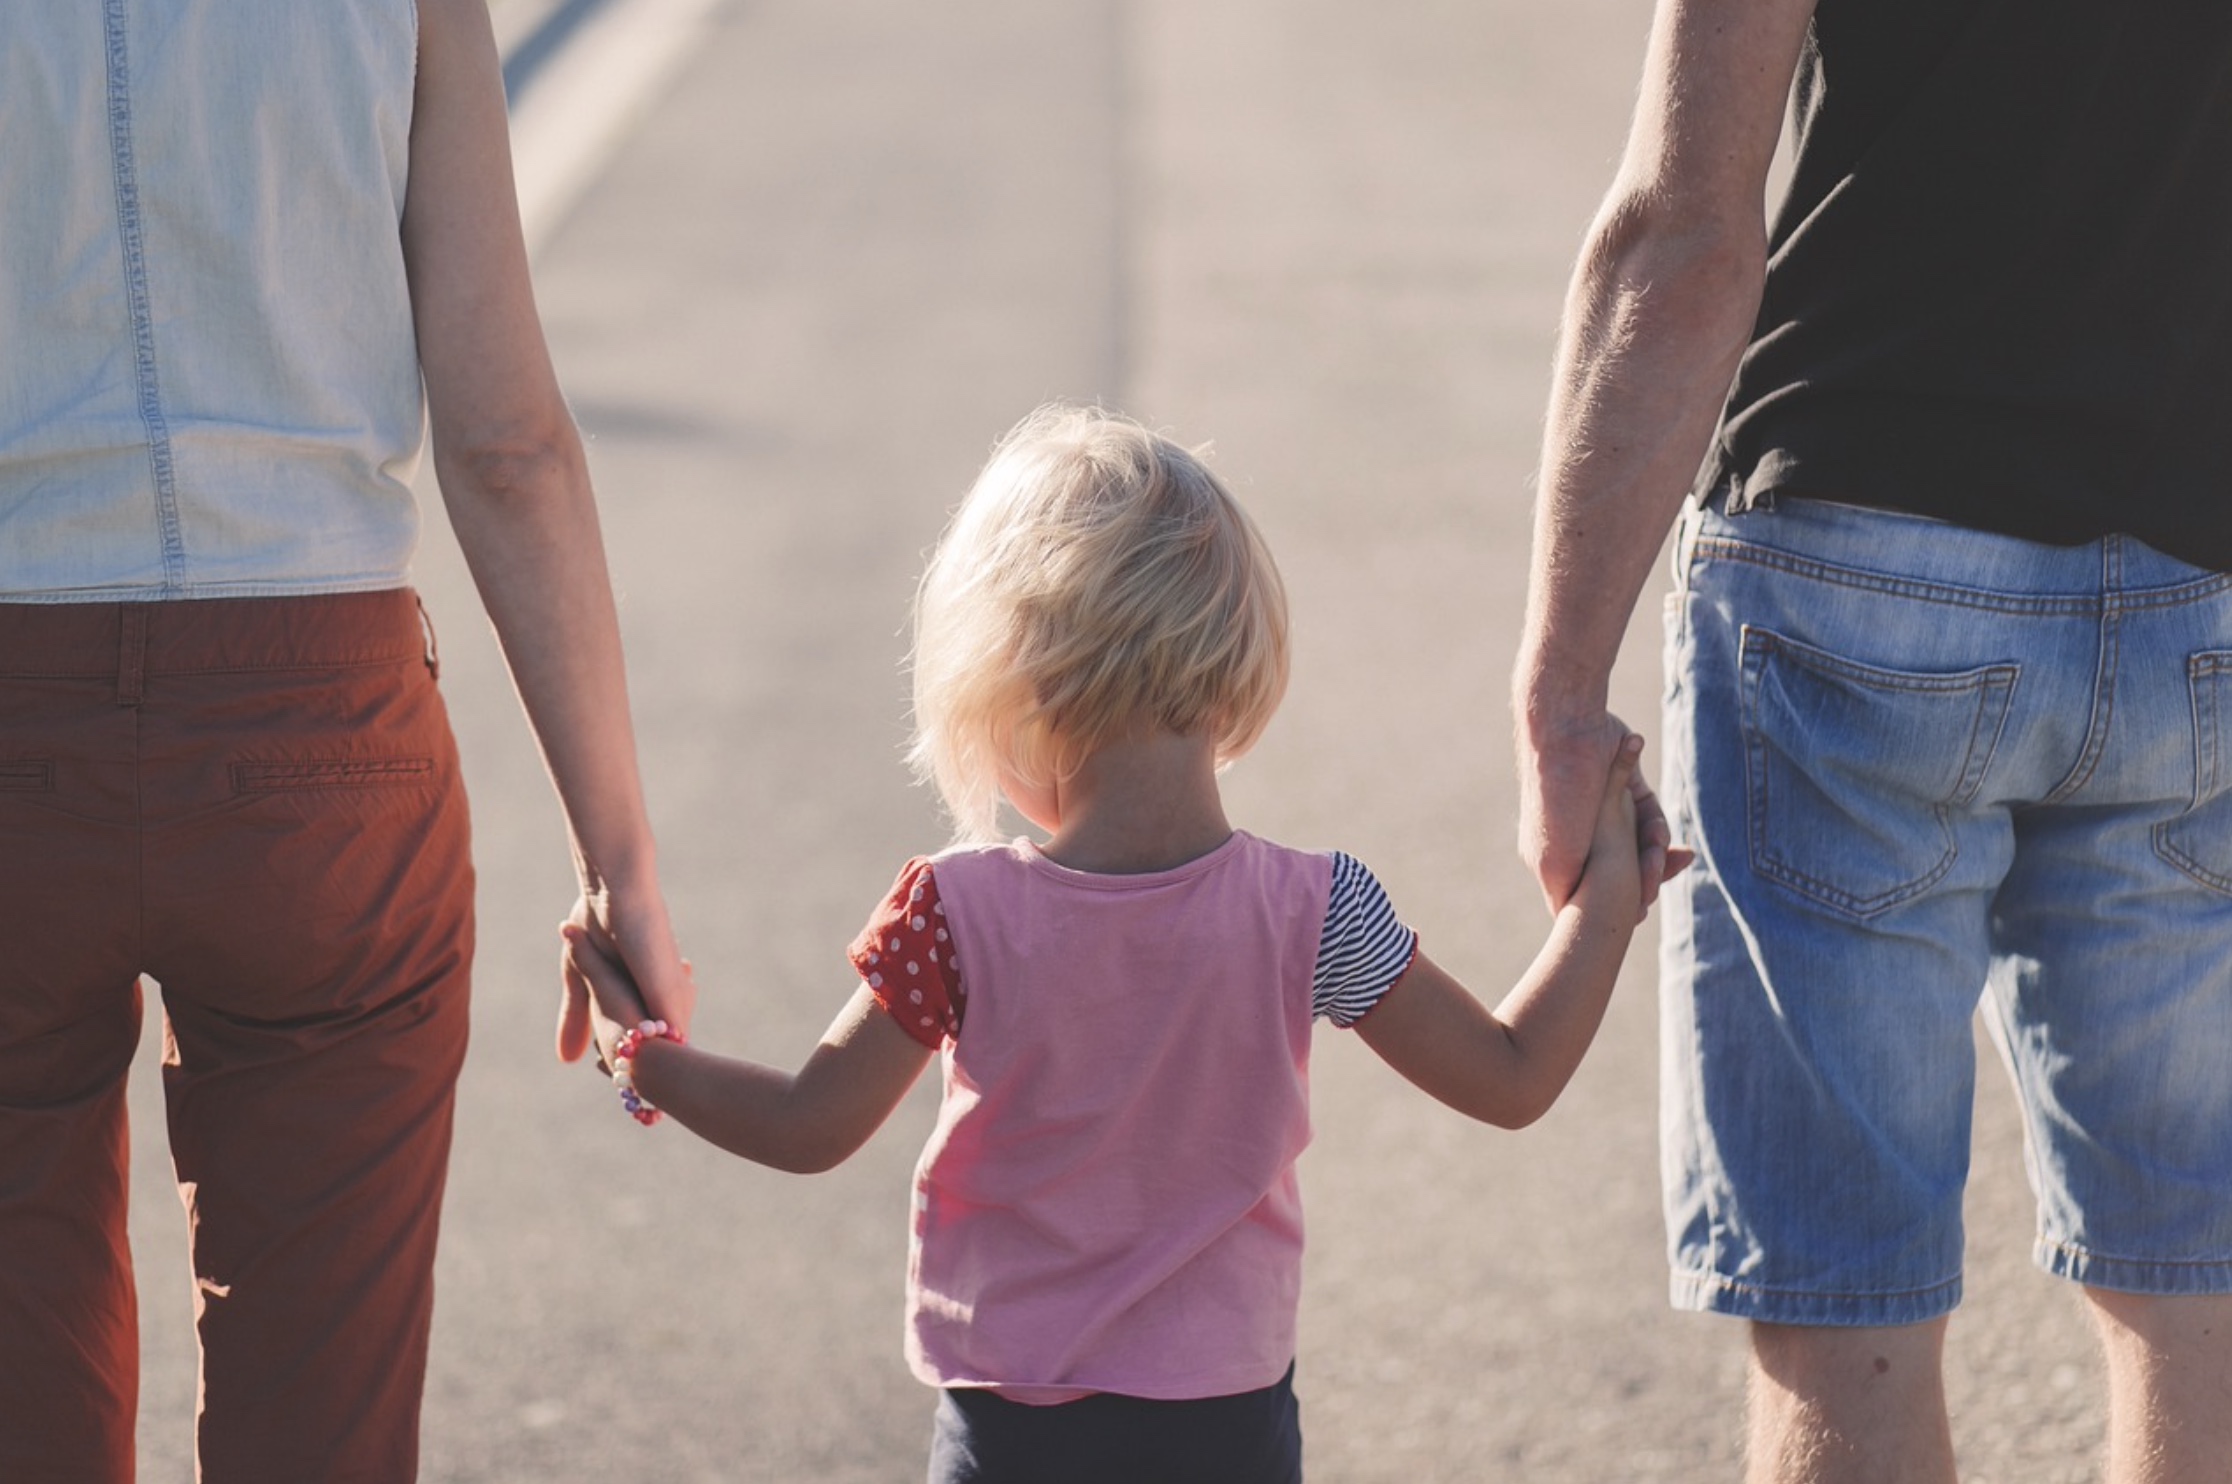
[[1252, 1438]]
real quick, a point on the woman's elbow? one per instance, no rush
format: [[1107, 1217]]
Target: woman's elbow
[[512, 464]]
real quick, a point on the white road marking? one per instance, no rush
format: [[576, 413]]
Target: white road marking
[[580, 104]]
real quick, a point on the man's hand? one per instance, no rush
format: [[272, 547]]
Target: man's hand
[[1562, 768]]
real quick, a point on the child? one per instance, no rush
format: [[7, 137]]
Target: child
[[1107, 1230]]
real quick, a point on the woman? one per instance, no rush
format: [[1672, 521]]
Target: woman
[[236, 237]]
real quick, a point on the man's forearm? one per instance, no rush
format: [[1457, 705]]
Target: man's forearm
[[1655, 324], [1656, 321]]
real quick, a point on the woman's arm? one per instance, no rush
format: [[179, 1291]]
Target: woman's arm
[[806, 1121], [516, 484]]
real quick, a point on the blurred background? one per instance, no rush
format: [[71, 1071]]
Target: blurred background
[[801, 263]]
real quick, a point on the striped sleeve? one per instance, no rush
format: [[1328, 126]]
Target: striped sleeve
[[1363, 949]]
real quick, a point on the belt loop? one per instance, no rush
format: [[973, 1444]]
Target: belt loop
[[426, 627], [131, 655], [1686, 529]]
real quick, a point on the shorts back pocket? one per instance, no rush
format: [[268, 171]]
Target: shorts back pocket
[[2199, 841], [1853, 771]]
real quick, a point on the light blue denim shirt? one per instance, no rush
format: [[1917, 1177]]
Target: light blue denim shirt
[[209, 383]]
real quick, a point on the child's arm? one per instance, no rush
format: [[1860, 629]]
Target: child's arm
[[1508, 1066], [805, 1121]]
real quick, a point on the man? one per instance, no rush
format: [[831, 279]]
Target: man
[[1950, 678]]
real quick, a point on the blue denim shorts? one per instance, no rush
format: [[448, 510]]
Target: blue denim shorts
[[1925, 768]]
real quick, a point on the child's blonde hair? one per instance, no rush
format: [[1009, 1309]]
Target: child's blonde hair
[[1097, 583]]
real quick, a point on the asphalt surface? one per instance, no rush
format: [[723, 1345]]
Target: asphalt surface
[[846, 247]]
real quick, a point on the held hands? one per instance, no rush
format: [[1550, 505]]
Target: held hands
[[609, 999], [630, 935], [1628, 852], [1562, 767]]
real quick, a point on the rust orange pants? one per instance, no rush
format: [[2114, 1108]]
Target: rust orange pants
[[255, 803]]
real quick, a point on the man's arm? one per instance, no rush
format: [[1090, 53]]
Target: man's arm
[[1661, 307]]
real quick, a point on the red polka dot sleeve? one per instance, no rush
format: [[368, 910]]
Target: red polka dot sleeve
[[905, 957]]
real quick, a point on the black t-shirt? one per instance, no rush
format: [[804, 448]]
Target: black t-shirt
[[2000, 287]]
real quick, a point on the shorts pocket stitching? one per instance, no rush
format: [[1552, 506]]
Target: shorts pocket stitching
[[1919, 589], [330, 773], [2205, 685], [1973, 732]]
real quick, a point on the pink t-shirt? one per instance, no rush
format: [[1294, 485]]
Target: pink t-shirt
[[1108, 1202]]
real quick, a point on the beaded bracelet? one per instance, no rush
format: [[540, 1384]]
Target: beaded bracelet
[[623, 1066]]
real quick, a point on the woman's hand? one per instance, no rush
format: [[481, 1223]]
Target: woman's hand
[[600, 993]]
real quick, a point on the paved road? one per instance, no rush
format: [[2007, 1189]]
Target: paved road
[[850, 244]]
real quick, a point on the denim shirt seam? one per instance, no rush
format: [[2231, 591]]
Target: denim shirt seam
[[130, 234]]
